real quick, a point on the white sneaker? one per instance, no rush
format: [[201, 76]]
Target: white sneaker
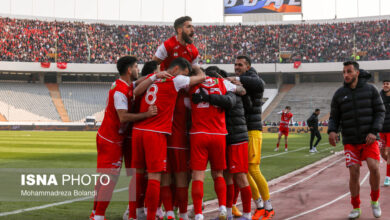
[[376, 209], [276, 149], [311, 151], [160, 213], [285, 149], [355, 213], [126, 214], [315, 149], [222, 213], [387, 181]]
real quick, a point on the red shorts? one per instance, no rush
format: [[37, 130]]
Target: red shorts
[[283, 131], [177, 160], [237, 157], [356, 153], [206, 147], [127, 156], [385, 139], [109, 156], [149, 150]]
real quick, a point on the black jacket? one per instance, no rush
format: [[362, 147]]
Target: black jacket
[[254, 87], [313, 121], [235, 116], [386, 102], [357, 111]]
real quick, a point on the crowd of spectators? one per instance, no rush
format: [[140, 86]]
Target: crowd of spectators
[[78, 42]]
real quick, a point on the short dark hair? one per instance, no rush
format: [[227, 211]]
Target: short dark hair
[[288, 107], [124, 62], [182, 63], [246, 58], [386, 80], [223, 73], [317, 109], [149, 67], [212, 71], [180, 21], [350, 62]]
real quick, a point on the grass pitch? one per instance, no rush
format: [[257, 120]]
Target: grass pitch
[[56, 149]]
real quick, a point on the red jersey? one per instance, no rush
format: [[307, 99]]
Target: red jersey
[[172, 49], [179, 138], [285, 119], [207, 118], [119, 97], [163, 94]]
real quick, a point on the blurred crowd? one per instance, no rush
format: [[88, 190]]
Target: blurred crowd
[[77, 42]]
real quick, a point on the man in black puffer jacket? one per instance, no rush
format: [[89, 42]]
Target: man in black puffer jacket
[[236, 141], [254, 85], [312, 123], [385, 133], [357, 109]]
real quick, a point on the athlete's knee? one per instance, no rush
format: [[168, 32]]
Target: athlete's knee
[[197, 175], [216, 173], [154, 176], [241, 180]]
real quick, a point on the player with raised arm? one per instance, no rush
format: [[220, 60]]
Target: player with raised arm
[[112, 132], [150, 136], [285, 119]]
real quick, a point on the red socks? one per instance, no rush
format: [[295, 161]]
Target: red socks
[[220, 190], [277, 145], [152, 198], [97, 187], [197, 196], [132, 198], [374, 195], [388, 170], [355, 201], [236, 192], [285, 146], [182, 198], [229, 195], [166, 198], [246, 195], [140, 189], [104, 195]]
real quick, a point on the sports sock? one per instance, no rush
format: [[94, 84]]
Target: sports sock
[[182, 198], [97, 187], [388, 170], [236, 192], [104, 195], [277, 145], [132, 198], [374, 195], [285, 146], [140, 189], [220, 190], [260, 181], [197, 196], [152, 197], [166, 197], [229, 195], [246, 199], [355, 201]]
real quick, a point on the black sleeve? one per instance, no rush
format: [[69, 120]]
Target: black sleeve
[[224, 101], [378, 112], [334, 118], [310, 121], [252, 83]]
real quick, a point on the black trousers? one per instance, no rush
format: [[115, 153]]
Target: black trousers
[[314, 133]]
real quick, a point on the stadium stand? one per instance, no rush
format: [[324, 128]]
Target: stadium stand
[[34, 41], [26, 102], [83, 99], [304, 98]]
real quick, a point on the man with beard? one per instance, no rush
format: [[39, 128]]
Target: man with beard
[[385, 134], [180, 45], [358, 110]]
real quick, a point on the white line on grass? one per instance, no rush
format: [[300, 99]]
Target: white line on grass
[[278, 154], [53, 204], [328, 203]]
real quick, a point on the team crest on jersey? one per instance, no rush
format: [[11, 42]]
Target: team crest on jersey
[[210, 82], [175, 54], [113, 85], [161, 80], [177, 47]]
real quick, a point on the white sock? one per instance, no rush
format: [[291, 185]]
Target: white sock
[[222, 208], [199, 217], [267, 205], [184, 216], [247, 215], [229, 212], [99, 217], [170, 214], [259, 203]]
